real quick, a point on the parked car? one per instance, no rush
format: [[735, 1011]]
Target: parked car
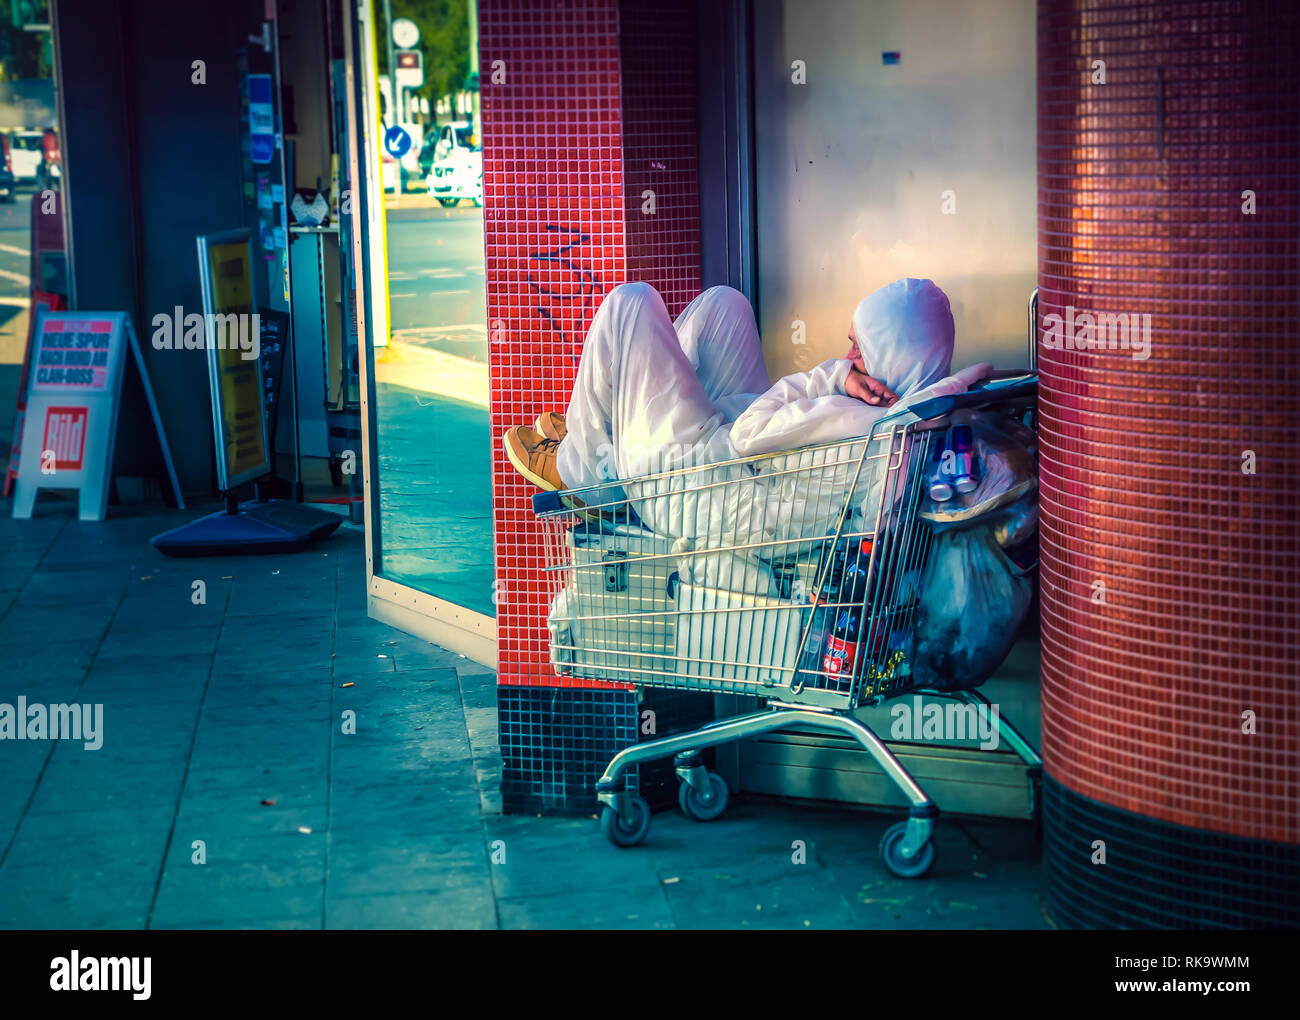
[[26, 154], [459, 176], [456, 170], [459, 134]]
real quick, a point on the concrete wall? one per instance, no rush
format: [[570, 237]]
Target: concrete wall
[[852, 167]]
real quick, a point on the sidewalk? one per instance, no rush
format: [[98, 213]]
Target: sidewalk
[[223, 736]]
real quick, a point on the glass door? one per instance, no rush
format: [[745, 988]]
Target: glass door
[[420, 244]]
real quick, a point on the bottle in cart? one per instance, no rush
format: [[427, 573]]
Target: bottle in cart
[[818, 633], [842, 645], [832, 563], [854, 585]]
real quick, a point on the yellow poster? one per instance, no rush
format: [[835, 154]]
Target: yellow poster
[[232, 331]]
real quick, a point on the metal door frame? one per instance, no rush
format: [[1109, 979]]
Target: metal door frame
[[445, 623]]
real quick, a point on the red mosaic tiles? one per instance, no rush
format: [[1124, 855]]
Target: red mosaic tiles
[[1171, 572]]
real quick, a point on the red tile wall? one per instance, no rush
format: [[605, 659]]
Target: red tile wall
[[659, 147], [560, 133], [1140, 211]]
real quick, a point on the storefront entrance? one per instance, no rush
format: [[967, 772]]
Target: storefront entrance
[[872, 144]]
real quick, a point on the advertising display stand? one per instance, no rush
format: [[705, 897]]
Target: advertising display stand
[[240, 429], [70, 418]]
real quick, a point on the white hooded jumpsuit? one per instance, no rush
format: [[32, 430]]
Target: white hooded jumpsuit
[[653, 396]]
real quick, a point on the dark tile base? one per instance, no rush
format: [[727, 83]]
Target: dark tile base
[[1160, 875], [555, 743]]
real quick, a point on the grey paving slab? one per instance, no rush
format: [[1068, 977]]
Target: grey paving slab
[[47, 906], [132, 670], [38, 625], [29, 663], [267, 748], [439, 795], [252, 891], [380, 862], [137, 848], [164, 642], [632, 907], [562, 855], [290, 685], [808, 898], [463, 908], [241, 815], [309, 920]]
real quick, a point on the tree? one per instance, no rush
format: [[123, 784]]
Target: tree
[[444, 39]]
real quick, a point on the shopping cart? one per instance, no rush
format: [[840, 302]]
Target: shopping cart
[[792, 577]]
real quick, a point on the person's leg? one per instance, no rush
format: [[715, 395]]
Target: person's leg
[[720, 338], [637, 404]]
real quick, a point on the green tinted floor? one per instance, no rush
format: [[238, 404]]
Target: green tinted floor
[[226, 793]]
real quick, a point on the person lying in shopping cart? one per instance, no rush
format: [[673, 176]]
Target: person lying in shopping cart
[[654, 396]]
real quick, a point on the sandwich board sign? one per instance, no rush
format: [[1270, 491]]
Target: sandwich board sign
[[240, 427], [234, 358], [73, 401]]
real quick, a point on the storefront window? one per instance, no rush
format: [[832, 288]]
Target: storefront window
[[32, 257], [431, 367]]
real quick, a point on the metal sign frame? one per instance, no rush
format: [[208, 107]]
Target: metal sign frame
[[225, 481]]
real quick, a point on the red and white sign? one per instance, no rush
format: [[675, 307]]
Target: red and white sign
[[74, 389], [65, 437]]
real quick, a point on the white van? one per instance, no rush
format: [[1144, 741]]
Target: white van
[[457, 169], [26, 154]]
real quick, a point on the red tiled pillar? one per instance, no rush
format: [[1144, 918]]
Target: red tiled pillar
[[579, 119], [1170, 478]]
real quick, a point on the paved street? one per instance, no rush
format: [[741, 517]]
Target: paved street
[[15, 247], [227, 794], [15, 299], [435, 278]]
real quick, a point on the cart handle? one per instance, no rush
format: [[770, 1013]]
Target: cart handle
[[999, 391], [547, 503], [1019, 387]]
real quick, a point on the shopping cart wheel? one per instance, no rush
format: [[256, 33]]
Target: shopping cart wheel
[[617, 831], [904, 867], [694, 806]]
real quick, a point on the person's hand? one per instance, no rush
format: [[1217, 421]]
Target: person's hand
[[869, 390]]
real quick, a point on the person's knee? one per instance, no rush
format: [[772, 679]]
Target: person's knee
[[726, 308], [722, 296], [630, 294]]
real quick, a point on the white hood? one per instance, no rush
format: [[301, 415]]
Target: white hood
[[905, 333]]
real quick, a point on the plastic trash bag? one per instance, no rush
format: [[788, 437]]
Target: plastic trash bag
[[974, 601], [976, 596]]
